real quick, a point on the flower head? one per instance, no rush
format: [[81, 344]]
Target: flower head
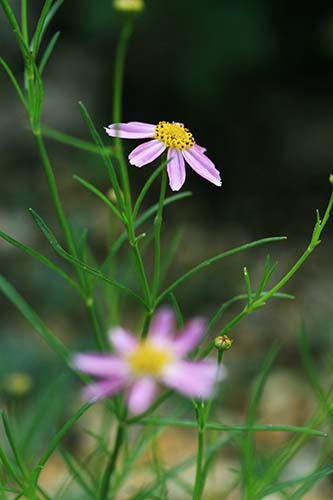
[[180, 144], [128, 5], [139, 366]]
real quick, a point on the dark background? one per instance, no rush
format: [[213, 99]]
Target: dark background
[[253, 81]]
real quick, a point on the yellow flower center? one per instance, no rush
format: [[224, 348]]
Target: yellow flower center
[[174, 135], [147, 359]]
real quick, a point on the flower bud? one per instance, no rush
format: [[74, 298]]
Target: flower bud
[[18, 384], [331, 178], [129, 5], [223, 343]]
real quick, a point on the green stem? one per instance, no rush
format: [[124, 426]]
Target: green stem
[[157, 237], [89, 303], [141, 269], [198, 485], [54, 193], [261, 301], [117, 114], [117, 105], [105, 483], [92, 313]]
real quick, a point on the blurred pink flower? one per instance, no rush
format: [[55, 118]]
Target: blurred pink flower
[[140, 365], [181, 146]]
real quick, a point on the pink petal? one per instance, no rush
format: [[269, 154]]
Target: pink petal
[[189, 337], [176, 169], [122, 340], [162, 325], [202, 165], [141, 395], [103, 389], [194, 379], [199, 148], [131, 130], [146, 152], [100, 365]]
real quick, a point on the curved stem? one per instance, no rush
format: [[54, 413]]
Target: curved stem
[[117, 105], [89, 303], [105, 483], [198, 485], [157, 237]]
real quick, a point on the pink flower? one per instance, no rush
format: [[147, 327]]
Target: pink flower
[[139, 366], [181, 146]]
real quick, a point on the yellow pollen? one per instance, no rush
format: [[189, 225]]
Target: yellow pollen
[[147, 359], [174, 135]]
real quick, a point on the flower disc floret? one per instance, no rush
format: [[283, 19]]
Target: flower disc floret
[[146, 359], [174, 135]]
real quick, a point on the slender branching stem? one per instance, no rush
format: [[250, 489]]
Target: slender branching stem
[[110, 467]]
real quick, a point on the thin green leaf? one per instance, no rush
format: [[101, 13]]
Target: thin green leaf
[[105, 157], [15, 83], [221, 310], [278, 461], [100, 195], [24, 21], [140, 220], [10, 468], [230, 428], [267, 273], [37, 38], [39, 93], [214, 259], [44, 260], [57, 439], [60, 251], [312, 372], [13, 445], [16, 28], [178, 313], [48, 51], [170, 252], [76, 472], [258, 386], [247, 285], [247, 442], [50, 15], [309, 480], [56, 345], [146, 187], [177, 469], [75, 142]]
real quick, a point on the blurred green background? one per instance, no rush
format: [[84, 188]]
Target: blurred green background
[[253, 81]]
